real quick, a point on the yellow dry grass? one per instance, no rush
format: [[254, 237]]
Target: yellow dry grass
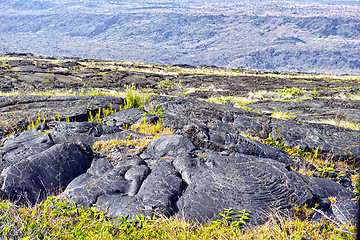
[[175, 70], [139, 145], [340, 123]]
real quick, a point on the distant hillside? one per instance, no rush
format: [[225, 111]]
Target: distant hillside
[[264, 35]]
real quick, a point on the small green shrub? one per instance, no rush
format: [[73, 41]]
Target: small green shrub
[[282, 115], [168, 84], [135, 100], [303, 212], [294, 91], [101, 113], [38, 121], [222, 100], [4, 65], [157, 111], [285, 94], [242, 217], [326, 168]]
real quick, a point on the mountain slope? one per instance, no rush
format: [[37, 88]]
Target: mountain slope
[[261, 35]]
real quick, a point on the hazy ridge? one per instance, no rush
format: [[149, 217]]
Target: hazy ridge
[[312, 36]]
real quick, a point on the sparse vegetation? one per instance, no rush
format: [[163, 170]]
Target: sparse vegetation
[[156, 111], [56, 219], [175, 70], [93, 92], [339, 122], [38, 121], [282, 115], [222, 100], [323, 164], [137, 145], [136, 100], [4, 65], [285, 94], [132, 100], [168, 84], [151, 129], [101, 113], [238, 220], [230, 100], [101, 73], [131, 86], [294, 91], [249, 109], [57, 92], [241, 69]]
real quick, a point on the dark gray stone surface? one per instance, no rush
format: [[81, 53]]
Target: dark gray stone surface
[[17, 112], [258, 185], [46, 173], [128, 117], [345, 211], [313, 109], [340, 143], [206, 167]]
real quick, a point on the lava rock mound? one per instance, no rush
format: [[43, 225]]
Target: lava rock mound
[[207, 166]]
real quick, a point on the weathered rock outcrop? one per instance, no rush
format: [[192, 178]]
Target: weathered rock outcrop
[[17, 112], [214, 160], [339, 142], [313, 109], [207, 166]]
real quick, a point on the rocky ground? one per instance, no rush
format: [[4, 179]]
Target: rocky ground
[[217, 157]]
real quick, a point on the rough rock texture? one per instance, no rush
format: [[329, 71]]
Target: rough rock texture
[[196, 173], [242, 181], [215, 159], [17, 112], [331, 140], [336, 142], [345, 211], [44, 174], [313, 109], [128, 117]]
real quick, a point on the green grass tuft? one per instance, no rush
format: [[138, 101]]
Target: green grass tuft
[[136, 100], [56, 219]]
